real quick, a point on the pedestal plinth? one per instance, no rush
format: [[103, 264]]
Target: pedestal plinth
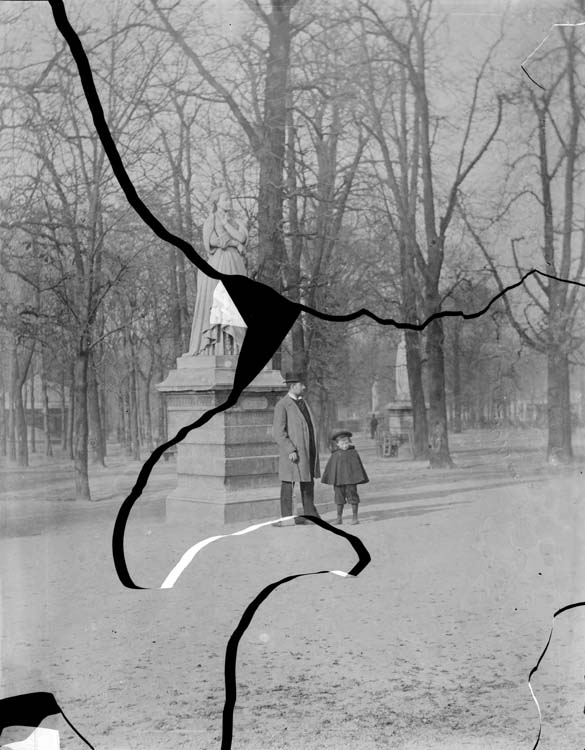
[[400, 420], [227, 470]]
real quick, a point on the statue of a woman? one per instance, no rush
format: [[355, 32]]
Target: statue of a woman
[[218, 327]]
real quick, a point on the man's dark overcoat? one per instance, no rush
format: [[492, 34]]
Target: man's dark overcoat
[[291, 432]]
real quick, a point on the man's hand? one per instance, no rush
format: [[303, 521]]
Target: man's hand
[[294, 457]]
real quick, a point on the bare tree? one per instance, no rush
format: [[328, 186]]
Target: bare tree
[[408, 37]]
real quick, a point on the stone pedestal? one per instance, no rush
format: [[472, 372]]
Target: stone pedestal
[[226, 469], [400, 420]]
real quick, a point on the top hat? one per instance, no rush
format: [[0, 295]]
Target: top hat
[[340, 434], [294, 377]]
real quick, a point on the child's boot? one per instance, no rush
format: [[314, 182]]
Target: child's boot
[[339, 520], [354, 518]]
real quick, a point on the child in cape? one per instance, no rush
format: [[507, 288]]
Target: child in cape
[[344, 471]]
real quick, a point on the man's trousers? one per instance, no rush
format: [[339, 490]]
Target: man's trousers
[[307, 496]]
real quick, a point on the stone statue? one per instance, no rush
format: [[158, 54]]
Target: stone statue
[[402, 388], [218, 327]]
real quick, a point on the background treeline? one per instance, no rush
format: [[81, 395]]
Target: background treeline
[[375, 169]]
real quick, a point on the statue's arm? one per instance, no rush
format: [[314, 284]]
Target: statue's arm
[[237, 232], [279, 429]]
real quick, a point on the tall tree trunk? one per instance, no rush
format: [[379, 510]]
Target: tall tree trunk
[[12, 428], [417, 394], [121, 427], [71, 420], [3, 425], [134, 406], [148, 410], [81, 437], [21, 431], [162, 412], [64, 442], [439, 456], [45, 395], [271, 250], [175, 304], [33, 441], [19, 374], [128, 418], [103, 410], [96, 440], [457, 422], [185, 324], [293, 266], [560, 447]]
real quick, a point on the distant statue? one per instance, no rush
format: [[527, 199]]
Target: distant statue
[[402, 388], [218, 327]]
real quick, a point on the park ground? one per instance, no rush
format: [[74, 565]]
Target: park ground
[[430, 647]]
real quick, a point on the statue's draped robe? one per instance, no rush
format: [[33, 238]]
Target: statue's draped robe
[[214, 308]]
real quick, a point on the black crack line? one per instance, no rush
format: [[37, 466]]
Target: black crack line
[[231, 654], [534, 669], [534, 51], [531, 78], [141, 481], [30, 710], [442, 313]]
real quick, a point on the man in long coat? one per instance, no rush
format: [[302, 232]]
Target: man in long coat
[[295, 432]]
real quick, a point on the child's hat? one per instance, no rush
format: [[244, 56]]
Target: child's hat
[[340, 434]]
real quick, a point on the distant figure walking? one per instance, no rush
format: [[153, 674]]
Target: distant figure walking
[[373, 426], [294, 431], [344, 471]]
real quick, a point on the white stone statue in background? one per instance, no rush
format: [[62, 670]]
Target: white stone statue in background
[[401, 372]]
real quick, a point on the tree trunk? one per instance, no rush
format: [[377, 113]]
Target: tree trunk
[[33, 441], [417, 394], [18, 382], [439, 456], [71, 420], [3, 425], [12, 428], [175, 304], [128, 419], [183, 306], [162, 436], [560, 448], [293, 266], [103, 409], [96, 440], [63, 413], [46, 421], [271, 249], [135, 436], [81, 436], [121, 427], [457, 422], [21, 431], [148, 410]]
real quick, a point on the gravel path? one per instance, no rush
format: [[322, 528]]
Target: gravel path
[[429, 648]]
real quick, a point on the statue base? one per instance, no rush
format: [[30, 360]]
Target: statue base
[[227, 468], [400, 421]]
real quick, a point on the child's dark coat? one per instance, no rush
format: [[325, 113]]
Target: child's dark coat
[[344, 467]]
